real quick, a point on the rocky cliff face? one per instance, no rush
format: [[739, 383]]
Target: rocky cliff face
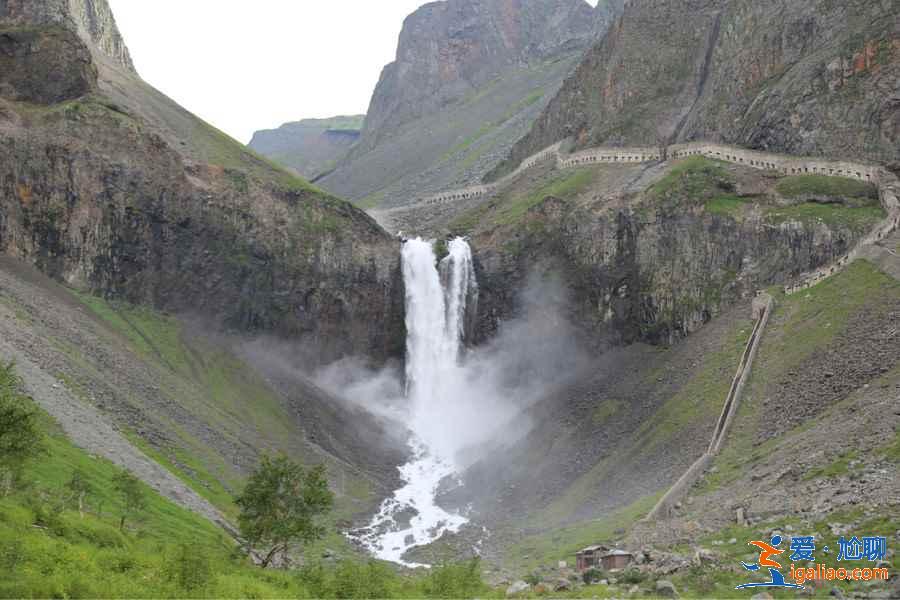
[[658, 263], [469, 79], [450, 48], [92, 20], [310, 147], [112, 187], [810, 77], [605, 14]]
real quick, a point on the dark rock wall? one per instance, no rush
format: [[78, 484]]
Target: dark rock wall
[[811, 77], [44, 66], [92, 20], [113, 210], [97, 195], [645, 276]]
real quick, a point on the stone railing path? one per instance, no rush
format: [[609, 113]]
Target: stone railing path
[[887, 183], [762, 308], [888, 194]]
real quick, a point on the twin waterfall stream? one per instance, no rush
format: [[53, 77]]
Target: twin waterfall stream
[[437, 299]]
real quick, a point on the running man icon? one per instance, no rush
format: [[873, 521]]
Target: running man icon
[[766, 551]]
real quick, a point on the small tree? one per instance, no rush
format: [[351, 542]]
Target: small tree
[[80, 487], [281, 503], [20, 435], [133, 500]]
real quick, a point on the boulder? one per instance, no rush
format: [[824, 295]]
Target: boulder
[[702, 555], [562, 585], [666, 589], [517, 587]]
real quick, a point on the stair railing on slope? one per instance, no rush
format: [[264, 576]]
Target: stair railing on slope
[[762, 308]]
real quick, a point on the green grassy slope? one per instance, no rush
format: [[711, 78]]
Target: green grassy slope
[[802, 324], [226, 394], [701, 396], [49, 550], [510, 207]]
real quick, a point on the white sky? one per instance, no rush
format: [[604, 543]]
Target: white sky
[[245, 66]]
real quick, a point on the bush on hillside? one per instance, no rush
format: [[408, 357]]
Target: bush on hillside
[[20, 436], [281, 504]]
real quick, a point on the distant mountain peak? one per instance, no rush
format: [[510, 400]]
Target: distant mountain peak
[[449, 48]]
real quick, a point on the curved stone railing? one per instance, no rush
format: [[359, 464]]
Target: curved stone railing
[[593, 156], [887, 183], [487, 189], [762, 308], [888, 194]]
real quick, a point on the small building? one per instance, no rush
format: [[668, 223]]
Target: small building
[[587, 558], [615, 559]]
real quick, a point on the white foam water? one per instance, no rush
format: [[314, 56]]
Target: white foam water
[[437, 300]]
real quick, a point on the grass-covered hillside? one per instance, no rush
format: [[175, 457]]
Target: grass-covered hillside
[[200, 405], [826, 355], [813, 450], [62, 541]]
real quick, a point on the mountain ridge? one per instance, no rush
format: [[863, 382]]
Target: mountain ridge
[[311, 147], [468, 80], [808, 78]]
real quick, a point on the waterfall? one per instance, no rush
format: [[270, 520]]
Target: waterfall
[[438, 300]]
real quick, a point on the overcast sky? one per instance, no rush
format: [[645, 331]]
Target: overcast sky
[[245, 66]]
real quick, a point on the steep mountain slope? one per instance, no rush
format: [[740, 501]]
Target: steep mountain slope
[[469, 78], [449, 49], [204, 405], [112, 187], [812, 78], [817, 431], [310, 147], [92, 21], [137, 207], [660, 254]]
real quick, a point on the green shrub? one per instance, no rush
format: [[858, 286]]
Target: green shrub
[[315, 581], [10, 554], [592, 575], [349, 579], [458, 580], [21, 439], [632, 576]]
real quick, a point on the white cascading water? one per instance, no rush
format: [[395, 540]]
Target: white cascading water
[[437, 298]]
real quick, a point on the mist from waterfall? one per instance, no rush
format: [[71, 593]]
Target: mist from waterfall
[[458, 402], [437, 300]]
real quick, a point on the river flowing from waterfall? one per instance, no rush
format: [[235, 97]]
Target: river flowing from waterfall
[[439, 296]]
